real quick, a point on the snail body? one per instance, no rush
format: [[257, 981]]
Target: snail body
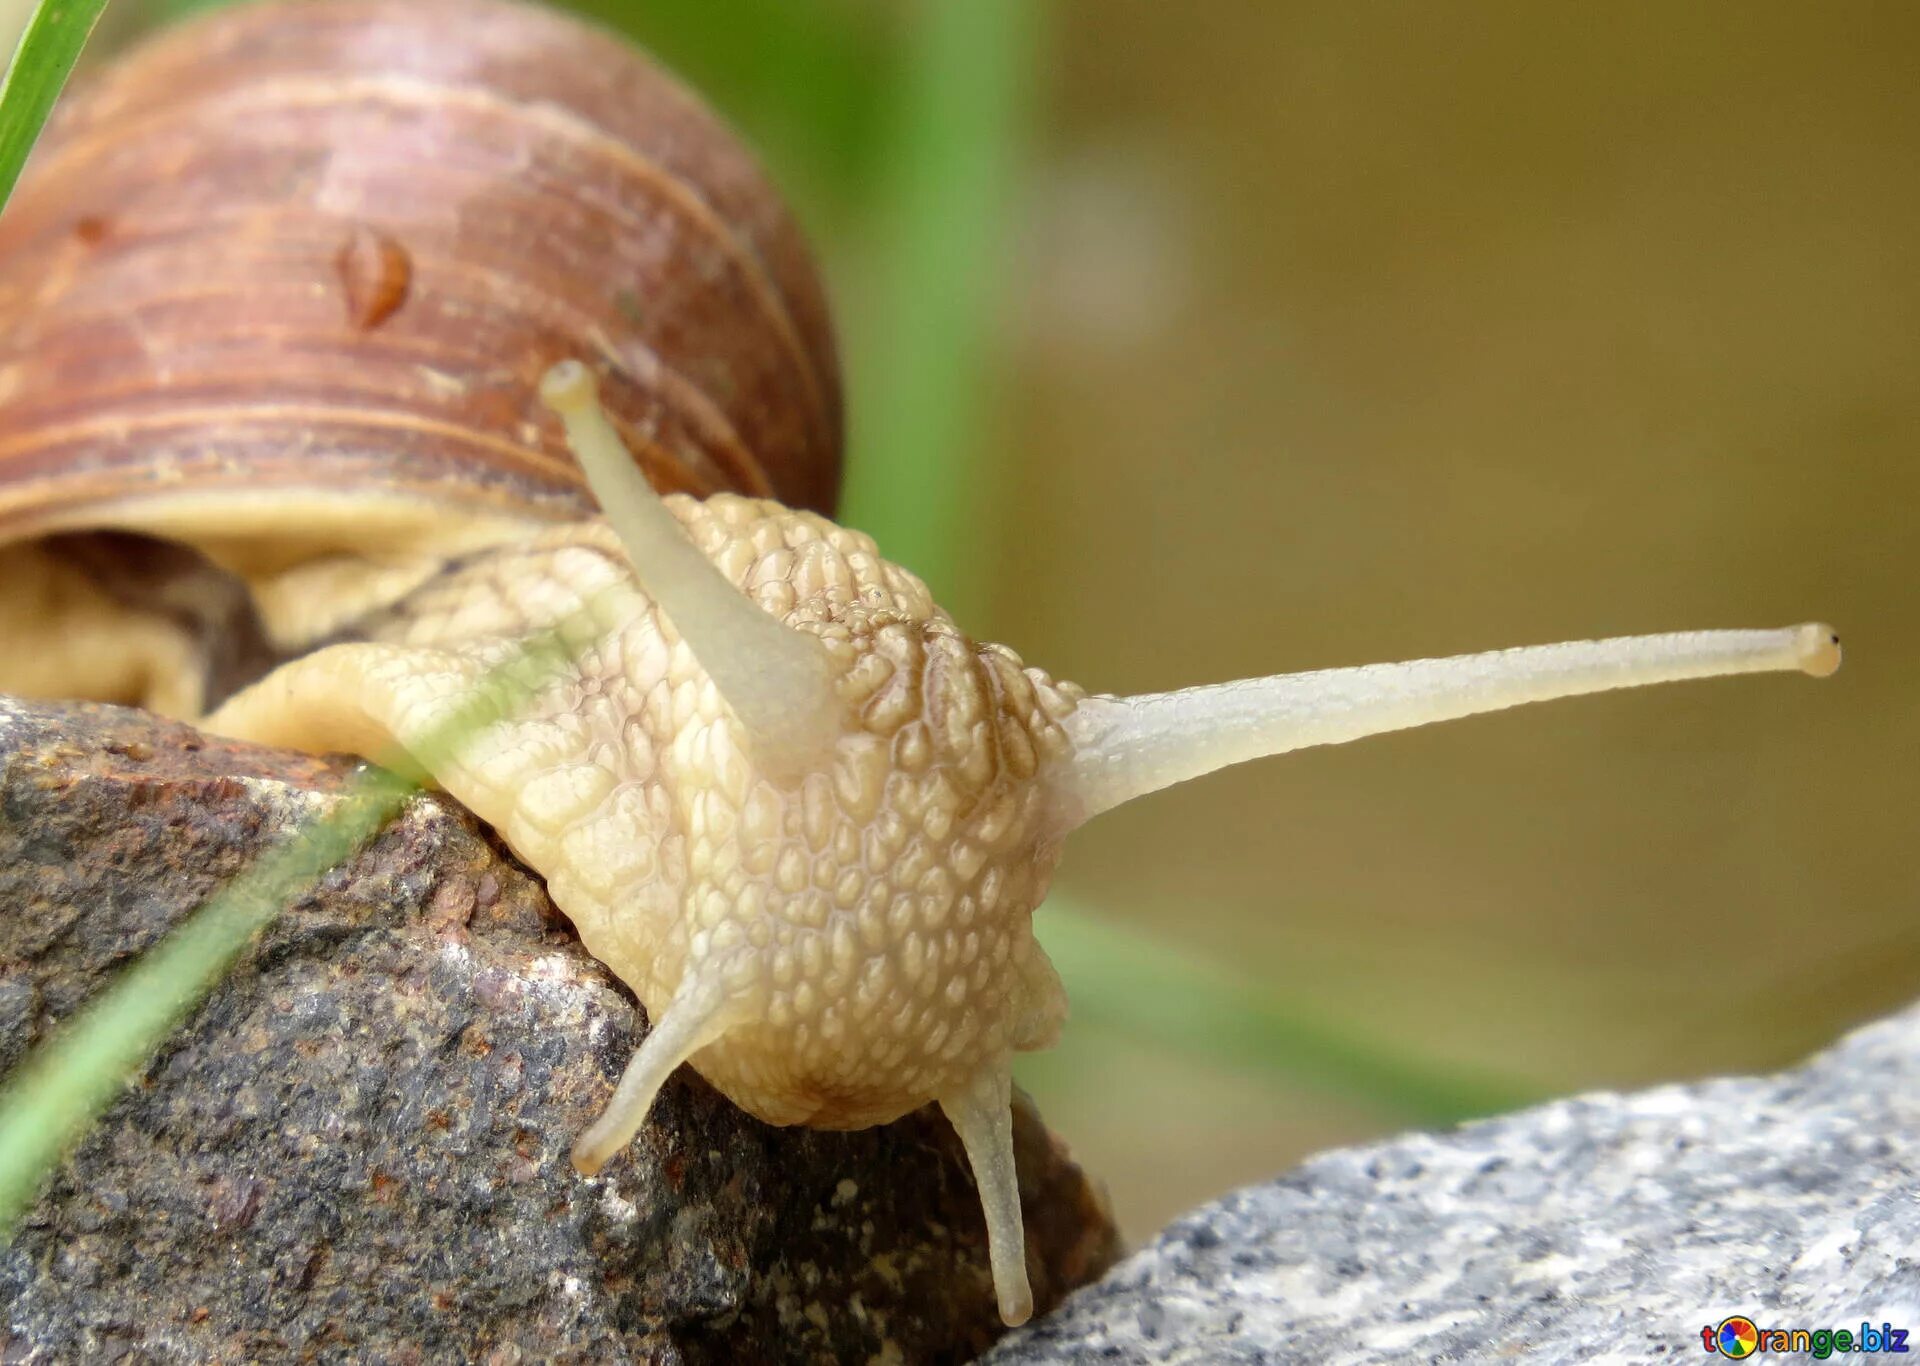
[[777, 790]]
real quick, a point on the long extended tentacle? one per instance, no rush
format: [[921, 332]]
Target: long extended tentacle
[[695, 1018], [1125, 747], [982, 1114]]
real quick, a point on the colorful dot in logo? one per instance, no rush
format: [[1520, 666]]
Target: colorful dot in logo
[[1737, 1337]]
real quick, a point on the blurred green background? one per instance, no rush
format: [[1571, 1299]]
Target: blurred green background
[[1193, 341]]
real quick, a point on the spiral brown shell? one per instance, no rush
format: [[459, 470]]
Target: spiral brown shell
[[334, 245]]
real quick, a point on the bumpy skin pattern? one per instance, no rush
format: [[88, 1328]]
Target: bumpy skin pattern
[[869, 923]]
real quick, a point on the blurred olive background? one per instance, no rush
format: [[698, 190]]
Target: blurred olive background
[[1194, 341]]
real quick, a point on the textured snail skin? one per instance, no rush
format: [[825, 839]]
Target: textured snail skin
[[836, 947], [869, 923]]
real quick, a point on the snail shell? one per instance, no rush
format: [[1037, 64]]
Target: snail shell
[[281, 284]]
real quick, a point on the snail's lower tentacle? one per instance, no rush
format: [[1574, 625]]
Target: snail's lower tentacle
[[982, 1114], [696, 1017]]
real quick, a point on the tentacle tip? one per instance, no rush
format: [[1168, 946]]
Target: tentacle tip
[[1016, 1304], [568, 387], [589, 1157], [1818, 649]]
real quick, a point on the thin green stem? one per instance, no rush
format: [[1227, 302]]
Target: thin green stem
[[51, 1100], [49, 46], [920, 473], [1139, 986], [65, 1084]]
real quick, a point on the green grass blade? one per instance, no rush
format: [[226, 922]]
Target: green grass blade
[[49, 47], [1138, 985], [63, 1086], [920, 474]]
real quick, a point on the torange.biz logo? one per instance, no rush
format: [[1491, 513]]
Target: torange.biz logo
[[1740, 1336]]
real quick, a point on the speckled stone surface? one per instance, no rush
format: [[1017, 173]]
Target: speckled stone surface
[[1605, 1228], [356, 1149]]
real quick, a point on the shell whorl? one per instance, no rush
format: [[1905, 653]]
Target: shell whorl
[[332, 248]]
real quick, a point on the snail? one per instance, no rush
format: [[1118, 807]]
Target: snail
[[320, 323]]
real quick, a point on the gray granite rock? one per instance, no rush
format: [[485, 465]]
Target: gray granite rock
[[356, 1148], [1606, 1228]]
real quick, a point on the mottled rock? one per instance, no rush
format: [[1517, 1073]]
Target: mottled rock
[[357, 1147], [1603, 1228]]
